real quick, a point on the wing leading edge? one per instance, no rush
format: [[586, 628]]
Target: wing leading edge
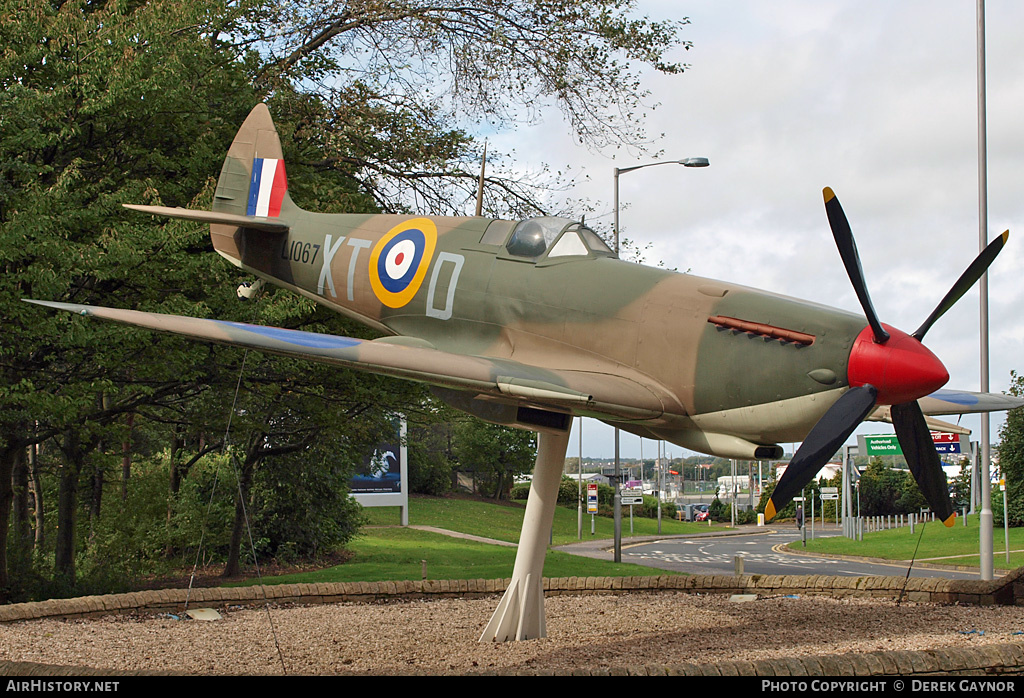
[[600, 395], [953, 402]]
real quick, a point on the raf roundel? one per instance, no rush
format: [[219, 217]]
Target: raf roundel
[[400, 259]]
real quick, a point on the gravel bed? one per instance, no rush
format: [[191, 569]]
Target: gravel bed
[[441, 637]]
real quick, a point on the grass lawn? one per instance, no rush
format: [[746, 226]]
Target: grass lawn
[[957, 545], [504, 521], [396, 553], [390, 554]]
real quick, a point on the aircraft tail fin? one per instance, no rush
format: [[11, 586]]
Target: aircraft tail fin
[[252, 183]]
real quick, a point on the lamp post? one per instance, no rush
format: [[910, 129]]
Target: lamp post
[[617, 498], [986, 563], [579, 487]]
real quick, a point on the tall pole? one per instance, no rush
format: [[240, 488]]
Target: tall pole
[[985, 529], [732, 505], [579, 488], [617, 496], [661, 482]]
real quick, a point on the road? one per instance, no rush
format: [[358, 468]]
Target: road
[[761, 552]]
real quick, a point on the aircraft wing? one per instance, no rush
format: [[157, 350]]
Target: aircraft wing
[[594, 394], [963, 402], [950, 402]]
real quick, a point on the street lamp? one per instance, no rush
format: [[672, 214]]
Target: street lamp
[[617, 499], [986, 564]]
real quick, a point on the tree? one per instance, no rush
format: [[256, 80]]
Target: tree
[[1011, 455], [100, 103], [885, 491], [496, 455], [105, 103], [431, 448], [961, 484]]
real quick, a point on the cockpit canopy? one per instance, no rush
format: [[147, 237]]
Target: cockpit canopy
[[558, 237]]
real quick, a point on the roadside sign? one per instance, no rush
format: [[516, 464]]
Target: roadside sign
[[889, 445], [881, 445], [592, 498], [946, 442], [632, 496], [828, 493]]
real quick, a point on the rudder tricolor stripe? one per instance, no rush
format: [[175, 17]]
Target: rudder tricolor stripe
[[267, 187]]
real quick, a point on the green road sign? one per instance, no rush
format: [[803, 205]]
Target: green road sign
[[882, 445]]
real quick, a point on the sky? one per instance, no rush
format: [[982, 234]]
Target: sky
[[877, 100]]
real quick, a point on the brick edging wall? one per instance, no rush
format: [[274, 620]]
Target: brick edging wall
[[1005, 591]]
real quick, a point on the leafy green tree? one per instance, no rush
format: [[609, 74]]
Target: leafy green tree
[[885, 491], [719, 510], [496, 455], [431, 449], [961, 484], [1011, 457], [105, 103], [98, 101], [301, 507]]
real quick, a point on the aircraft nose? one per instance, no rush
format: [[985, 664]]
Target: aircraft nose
[[902, 369]]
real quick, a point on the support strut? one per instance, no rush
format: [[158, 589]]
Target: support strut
[[520, 615]]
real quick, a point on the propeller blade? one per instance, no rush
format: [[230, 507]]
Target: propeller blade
[[919, 450], [851, 260], [978, 267], [821, 444]]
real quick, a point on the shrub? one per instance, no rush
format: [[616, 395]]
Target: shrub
[[719, 510], [650, 509]]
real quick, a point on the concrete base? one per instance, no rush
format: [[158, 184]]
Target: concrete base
[[520, 615]]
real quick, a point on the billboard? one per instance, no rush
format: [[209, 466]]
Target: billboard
[[383, 478]]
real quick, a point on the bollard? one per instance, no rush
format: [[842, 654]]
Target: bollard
[[738, 562]]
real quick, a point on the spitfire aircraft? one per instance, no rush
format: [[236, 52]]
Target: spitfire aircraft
[[530, 323]]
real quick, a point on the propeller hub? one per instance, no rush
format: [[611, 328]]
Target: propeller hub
[[902, 369]]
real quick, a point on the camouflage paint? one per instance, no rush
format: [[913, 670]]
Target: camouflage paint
[[585, 334]]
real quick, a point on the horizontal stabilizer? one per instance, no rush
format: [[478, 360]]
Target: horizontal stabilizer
[[270, 225]]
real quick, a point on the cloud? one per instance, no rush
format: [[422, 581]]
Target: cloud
[[875, 99]]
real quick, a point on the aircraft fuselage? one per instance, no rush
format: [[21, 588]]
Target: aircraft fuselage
[[720, 357]]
